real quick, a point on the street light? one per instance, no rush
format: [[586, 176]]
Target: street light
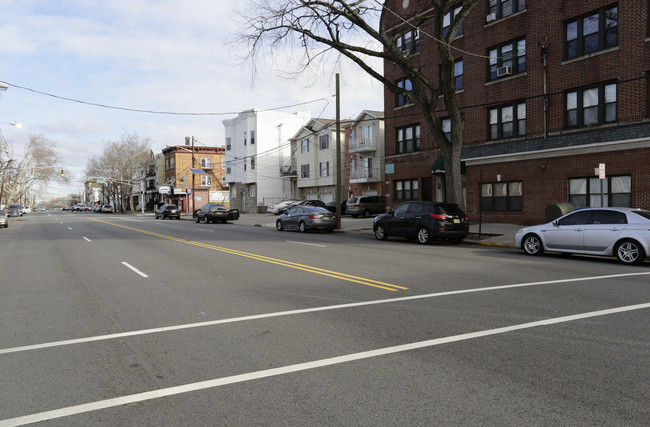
[[16, 124]]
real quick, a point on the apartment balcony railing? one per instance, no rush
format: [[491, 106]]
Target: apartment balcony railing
[[360, 144], [365, 175], [288, 171]]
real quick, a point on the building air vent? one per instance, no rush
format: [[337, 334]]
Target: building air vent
[[491, 17]]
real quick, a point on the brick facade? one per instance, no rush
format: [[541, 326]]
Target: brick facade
[[540, 159]]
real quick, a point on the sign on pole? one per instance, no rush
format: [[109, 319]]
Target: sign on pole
[[601, 171]]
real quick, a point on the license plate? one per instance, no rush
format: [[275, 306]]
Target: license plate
[[456, 221], [326, 218]]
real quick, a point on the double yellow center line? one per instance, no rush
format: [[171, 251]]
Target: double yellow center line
[[310, 269]]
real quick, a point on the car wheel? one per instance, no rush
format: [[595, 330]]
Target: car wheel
[[302, 227], [198, 219], [629, 252], [424, 237], [380, 232], [278, 225], [366, 213], [532, 245]]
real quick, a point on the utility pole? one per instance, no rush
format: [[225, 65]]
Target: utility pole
[[339, 166], [193, 199]]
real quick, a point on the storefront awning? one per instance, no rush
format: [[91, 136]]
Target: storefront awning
[[438, 166]]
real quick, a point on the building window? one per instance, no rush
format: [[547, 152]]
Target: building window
[[408, 139], [206, 162], [458, 74], [251, 190], [503, 8], [591, 106], [244, 137], [228, 166], [507, 59], [304, 146], [206, 180], [507, 121], [401, 98], [406, 189], [324, 169], [449, 20], [304, 171], [324, 142], [252, 137], [591, 33], [409, 42], [501, 196], [228, 144], [585, 192], [252, 162]]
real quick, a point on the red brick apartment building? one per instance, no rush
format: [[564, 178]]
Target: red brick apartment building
[[549, 90]]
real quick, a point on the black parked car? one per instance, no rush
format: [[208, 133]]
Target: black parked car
[[331, 206], [424, 221], [167, 211], [216, 212], [303, 218]]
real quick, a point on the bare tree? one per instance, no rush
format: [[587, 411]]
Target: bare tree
[[121, 164], [38, 166], [357, 30]]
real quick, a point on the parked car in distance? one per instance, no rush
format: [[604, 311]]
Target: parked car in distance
[[15, 210], [317, 203], [81, 207], [424, 221], [167, 211], [305, 217], [620, 232], [275, 209], [107, 209], [331, 206], [365, 205], [4, 221], [216, 212], [97, 208]]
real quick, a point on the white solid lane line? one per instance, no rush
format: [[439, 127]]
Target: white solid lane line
[[300, 311], [87, 239], [218, 382], [303, 243], [134, 269]]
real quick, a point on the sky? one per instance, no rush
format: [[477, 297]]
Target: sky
[[155, 55]]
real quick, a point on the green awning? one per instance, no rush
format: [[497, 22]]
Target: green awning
[[438, 166]]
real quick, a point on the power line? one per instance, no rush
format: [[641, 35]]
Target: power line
[[176, 113]]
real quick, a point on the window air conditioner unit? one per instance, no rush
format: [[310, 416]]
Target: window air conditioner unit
[[504, 71], [491, 17]]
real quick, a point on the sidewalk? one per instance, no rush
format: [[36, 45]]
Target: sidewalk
[[502, 235]]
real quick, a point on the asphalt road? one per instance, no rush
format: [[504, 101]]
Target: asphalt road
[[121, 320]]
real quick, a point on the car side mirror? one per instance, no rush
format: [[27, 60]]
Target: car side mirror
[[390, 212], [556, 223]]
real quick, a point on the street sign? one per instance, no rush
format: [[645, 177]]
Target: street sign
[[601, 171], [164, 189], [101, 181]]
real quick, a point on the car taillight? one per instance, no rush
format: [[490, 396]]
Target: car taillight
[[313, 216], [439, 216]]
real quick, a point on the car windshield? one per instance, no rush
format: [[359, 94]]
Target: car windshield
[[318, 210], [353, 199]]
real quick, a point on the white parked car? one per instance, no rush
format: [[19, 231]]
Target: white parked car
[[620, 232], [278, 207]]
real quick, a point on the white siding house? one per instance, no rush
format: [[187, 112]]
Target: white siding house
[[258, 154]]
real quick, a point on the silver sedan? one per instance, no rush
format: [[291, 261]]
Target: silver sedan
[[620, 232]]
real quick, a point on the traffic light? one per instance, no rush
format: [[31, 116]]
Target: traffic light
[[110, 180], [62, 172]]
